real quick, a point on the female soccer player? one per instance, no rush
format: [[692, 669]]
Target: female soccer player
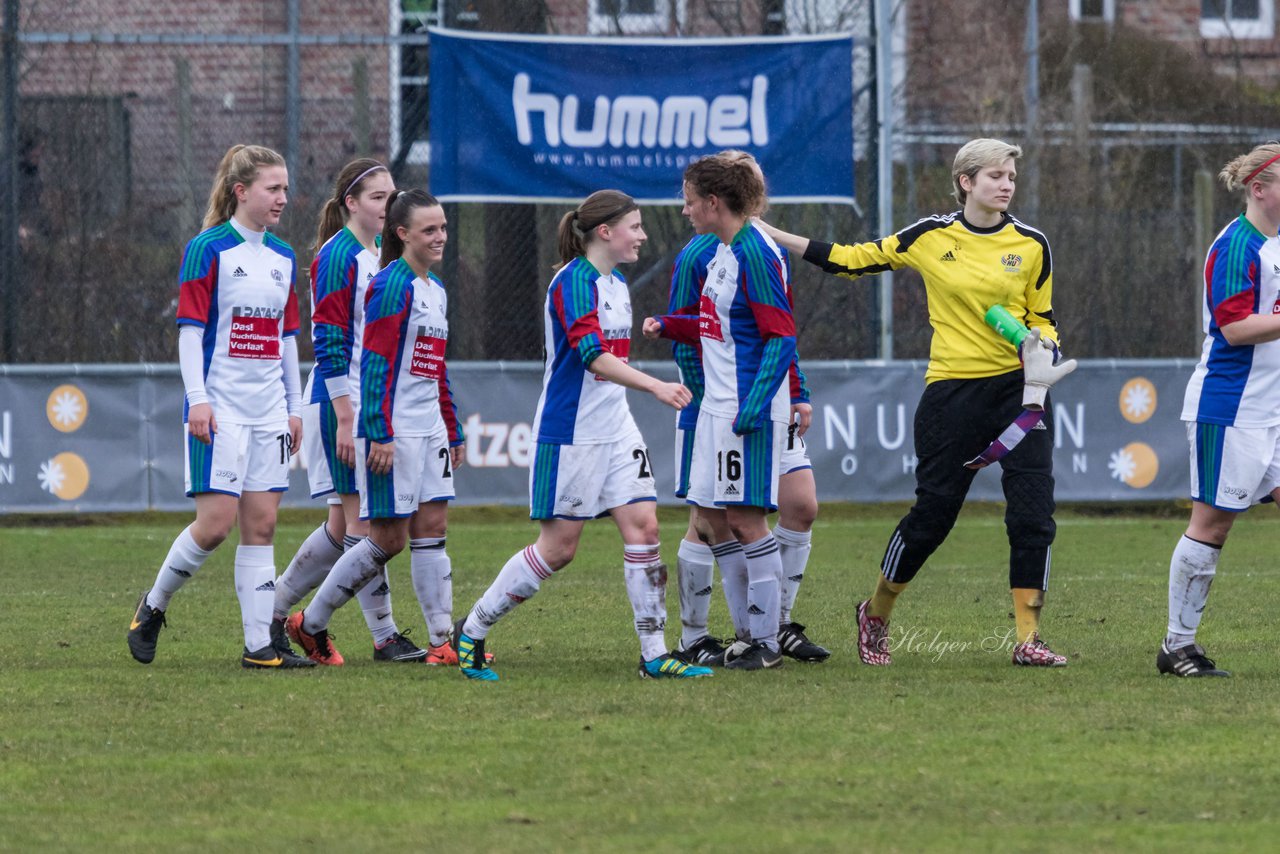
[[346, 258], [797, 492], [747, 336], [972, 259], [1232, 405], [590, 458], [238, 322], [412, 441]]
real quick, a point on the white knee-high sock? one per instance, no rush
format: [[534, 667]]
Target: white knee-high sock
[[519, 579], [352, 571], [733, 576], [793, 549], [182, 562], [375, 600], [646, 578], [315, 557], [256, 590], [764, 569], [1191, 573], [433, 582], [695, 566]]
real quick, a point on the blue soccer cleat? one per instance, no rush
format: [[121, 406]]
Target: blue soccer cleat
[[669, 667], [471, 657]]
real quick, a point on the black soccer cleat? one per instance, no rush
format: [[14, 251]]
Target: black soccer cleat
[[270, 658], [706, 651], [399, 648], [1188, 660], [796, 644], [280, 639], [756, 657], [144, 629]]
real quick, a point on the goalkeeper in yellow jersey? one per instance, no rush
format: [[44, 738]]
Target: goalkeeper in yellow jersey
[[979, 405]]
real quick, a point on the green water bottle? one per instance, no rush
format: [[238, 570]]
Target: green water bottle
[[1009, 327]]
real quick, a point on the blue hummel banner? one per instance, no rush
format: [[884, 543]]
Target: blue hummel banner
[[523, 118]]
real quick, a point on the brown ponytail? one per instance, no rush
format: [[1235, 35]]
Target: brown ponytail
[[333, 216], [400, 207], [603, 207]]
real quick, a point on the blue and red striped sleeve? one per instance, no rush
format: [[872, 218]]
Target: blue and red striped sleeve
[[683, 329], [574, 299], [1232, 275], [197, 280], [387, 306], [449, 411], [333, 280], [760, 279]]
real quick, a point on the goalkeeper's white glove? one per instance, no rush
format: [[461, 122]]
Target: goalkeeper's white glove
[[1039, 371]]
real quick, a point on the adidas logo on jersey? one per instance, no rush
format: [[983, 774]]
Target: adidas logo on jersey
[[239, 273], [950, 256], [607, 307], [1275, 268]]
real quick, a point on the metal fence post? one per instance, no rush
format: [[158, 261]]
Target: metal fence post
[[11, 263]]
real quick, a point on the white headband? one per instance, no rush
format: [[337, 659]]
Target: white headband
[[365, 174]]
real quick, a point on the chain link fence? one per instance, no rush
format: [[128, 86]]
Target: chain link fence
[[124, 107]]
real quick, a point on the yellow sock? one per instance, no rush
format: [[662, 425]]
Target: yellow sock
[[1027, 602], [882, 600]]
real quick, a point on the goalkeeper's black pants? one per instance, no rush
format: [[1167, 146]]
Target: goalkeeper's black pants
[[954, 422]]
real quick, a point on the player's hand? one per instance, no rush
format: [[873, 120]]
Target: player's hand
[[201, 423], [801, 416], [652, 327], [346, 434], [673, 394], [458, 455], [295, 434], [1038, 370], [381, 455]]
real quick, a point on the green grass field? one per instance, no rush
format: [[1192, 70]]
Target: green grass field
[[951, 748]]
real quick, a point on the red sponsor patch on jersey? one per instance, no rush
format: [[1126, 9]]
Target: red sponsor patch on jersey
[[708, 320], [254, 338], [428, 357]]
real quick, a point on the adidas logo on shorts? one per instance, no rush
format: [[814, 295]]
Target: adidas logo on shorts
[[731, 490]]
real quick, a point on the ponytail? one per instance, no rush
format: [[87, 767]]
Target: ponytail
[[333, 216], [603, 207], [400, 207], [239, 165]]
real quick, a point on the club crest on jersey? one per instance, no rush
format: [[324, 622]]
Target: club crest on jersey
[[277, 275], [1011, 263]]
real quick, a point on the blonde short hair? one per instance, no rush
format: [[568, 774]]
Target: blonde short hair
[[974, 156]]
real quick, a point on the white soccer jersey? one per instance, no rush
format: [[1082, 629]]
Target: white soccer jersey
[[1237, 386], [241, 294], [586, 314], [743, 306], [402, 368], [340, 277]]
